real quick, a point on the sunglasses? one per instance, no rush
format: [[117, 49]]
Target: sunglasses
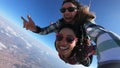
[[68, 38], [70, 9]]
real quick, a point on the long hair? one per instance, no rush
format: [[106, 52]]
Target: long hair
[[84, 15]]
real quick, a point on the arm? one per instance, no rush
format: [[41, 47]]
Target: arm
[[30, 25], [108, 43], [49, 29]]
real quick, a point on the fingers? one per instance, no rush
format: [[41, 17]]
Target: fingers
[[23, 19], [24, 22], [31, 23], [30, 19]]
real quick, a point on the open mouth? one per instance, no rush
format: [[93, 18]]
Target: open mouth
[[64, 48]]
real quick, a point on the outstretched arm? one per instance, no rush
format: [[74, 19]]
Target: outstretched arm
[[30, 25], [108, 43]]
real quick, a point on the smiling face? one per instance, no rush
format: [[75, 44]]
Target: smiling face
[[66, 43], [69, 14]]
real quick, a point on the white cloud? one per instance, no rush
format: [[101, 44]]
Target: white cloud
[[10, 30], [2, 46]]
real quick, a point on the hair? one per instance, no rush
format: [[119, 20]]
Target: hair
[[84, 15], [70, 26], [72, 1]]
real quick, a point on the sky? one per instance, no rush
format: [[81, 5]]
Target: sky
[[44, 11]]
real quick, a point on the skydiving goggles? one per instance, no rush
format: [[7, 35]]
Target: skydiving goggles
[[68, 38], [70, 9]]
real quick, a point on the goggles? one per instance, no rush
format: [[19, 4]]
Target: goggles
[[68, 38], [70, 9]]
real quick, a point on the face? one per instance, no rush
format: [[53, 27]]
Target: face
[[65, 41], [69, 11]]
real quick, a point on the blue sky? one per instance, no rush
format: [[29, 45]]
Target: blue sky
[[44, 11]]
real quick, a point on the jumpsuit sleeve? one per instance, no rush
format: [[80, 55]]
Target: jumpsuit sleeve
[[108, 43], [49, 29]]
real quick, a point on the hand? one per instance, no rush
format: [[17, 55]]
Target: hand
[[29, 25]]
